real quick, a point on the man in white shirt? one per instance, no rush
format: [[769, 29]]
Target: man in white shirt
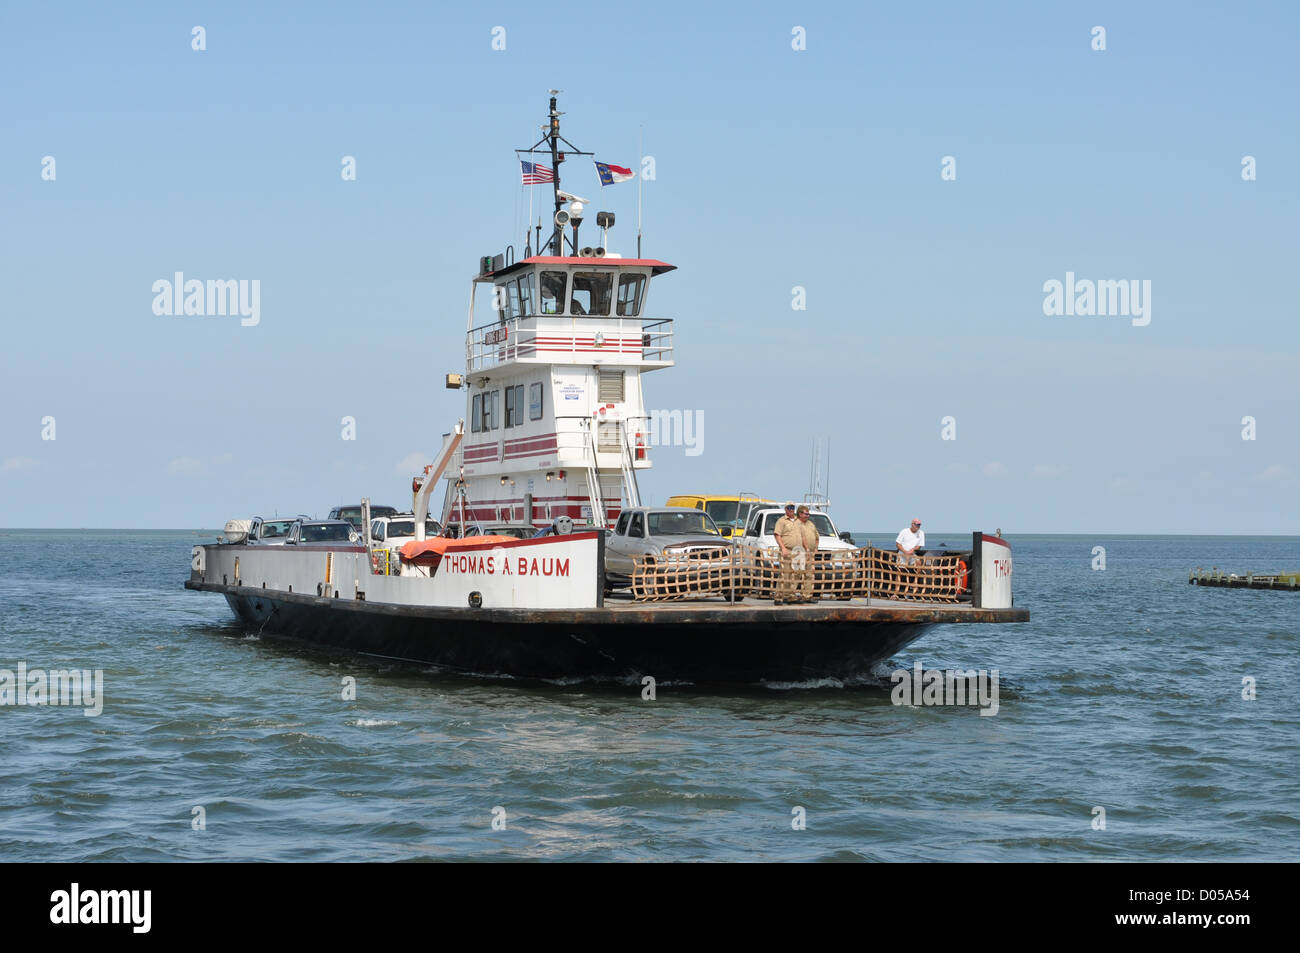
[[908, 542]]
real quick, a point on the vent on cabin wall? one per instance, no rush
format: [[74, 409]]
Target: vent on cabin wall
[[609, 387], [607, 436]]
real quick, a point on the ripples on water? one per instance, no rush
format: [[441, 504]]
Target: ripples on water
[[1124, 692]]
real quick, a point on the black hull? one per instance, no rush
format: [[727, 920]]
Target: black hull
[[732, 645]]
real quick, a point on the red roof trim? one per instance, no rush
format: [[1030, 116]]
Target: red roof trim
[[576, 260], [656, 266]]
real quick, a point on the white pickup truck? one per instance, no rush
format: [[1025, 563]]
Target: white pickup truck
[[759, 540]]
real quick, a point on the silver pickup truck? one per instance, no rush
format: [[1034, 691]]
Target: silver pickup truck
[[666, 533]]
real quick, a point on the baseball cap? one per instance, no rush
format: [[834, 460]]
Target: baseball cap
[[789, 506]]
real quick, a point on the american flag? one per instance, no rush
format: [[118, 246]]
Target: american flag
[[535, 173]]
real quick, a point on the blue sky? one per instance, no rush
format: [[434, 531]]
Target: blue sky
[[776, 168]]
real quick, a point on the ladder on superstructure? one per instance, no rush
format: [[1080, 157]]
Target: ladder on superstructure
[[593, 481], [630, 489], [627, 468]]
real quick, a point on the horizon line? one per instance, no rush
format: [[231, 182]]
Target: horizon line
[[217, 532]]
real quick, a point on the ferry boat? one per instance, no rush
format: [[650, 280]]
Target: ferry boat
[[554, 382]]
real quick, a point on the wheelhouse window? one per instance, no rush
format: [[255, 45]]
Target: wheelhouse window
[[515, 406], [535, 401], [476, 414], [590, 293], [554, 287], [629, 294], [515, 298], [527, 296], [491, 410]]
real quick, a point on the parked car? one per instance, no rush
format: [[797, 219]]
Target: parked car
[[759, 543], [668, 535], [388, 534], [322, 531], [353, 513], [270, 532], [394, 531], [729, 513], [493, 529]]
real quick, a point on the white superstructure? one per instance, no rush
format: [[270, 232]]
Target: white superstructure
[[557, 422]]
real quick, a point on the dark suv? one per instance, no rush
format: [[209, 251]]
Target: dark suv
[[353, 513], [323, 531]]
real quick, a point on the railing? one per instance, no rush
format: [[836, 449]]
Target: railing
[[836, 574], [573, 436], [657, 340], [709, 571], [546, 338], [576, 436]]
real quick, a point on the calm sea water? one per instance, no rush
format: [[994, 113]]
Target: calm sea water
[[1124, 692]]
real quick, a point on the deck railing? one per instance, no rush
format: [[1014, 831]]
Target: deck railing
[[553, 338], [834, 574]]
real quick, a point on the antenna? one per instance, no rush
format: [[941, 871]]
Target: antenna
[[812, 468], [819, 472], [640, 152]]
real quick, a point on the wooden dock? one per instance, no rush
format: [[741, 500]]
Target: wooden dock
[[1231, 580]]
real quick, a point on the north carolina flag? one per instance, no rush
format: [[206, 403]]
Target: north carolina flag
[[609, 174]]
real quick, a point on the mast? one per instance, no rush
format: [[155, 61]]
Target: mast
[[551, 142], [553, 135]]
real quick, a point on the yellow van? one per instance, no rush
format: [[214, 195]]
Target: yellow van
[[728, 512]]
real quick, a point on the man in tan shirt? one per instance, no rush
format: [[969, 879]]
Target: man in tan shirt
[[808, 539], [797, 537], [787, 538]]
